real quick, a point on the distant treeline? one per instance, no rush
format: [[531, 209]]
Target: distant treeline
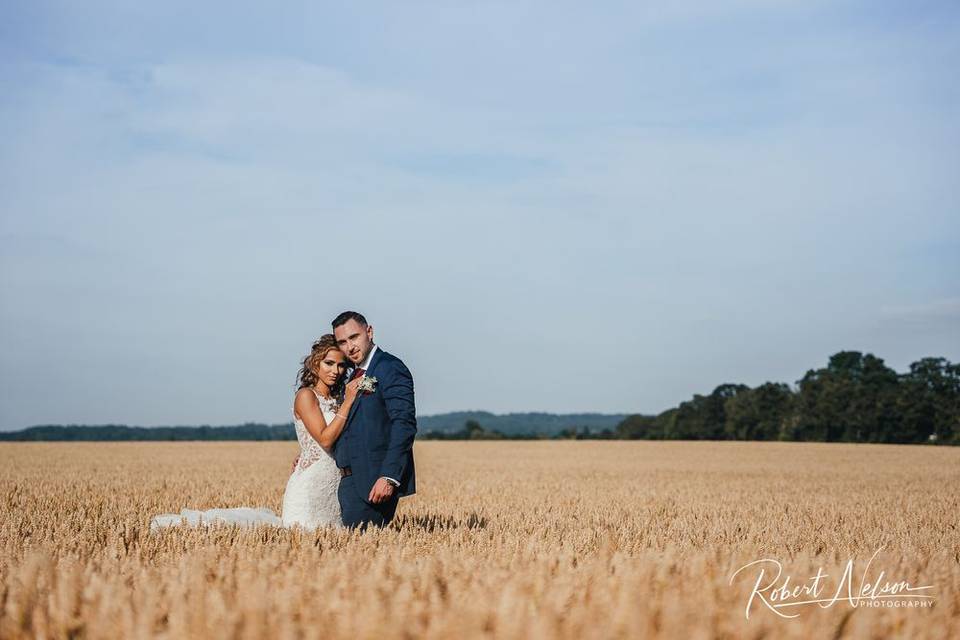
[[442, 426], [109, 432], [855, 398]]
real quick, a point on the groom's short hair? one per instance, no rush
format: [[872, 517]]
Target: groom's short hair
[[347, 316]]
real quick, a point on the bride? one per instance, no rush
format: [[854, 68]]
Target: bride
[[310, 499]]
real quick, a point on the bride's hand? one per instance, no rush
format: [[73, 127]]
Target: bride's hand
[[350, 393]]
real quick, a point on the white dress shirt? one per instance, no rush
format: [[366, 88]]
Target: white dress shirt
[[365, 365]]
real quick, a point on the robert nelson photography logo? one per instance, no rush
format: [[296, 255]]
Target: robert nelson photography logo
[[784, 596]]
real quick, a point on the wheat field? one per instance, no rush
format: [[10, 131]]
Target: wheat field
[[551, 539]]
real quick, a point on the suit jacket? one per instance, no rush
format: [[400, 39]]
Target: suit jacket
[[381, 426]]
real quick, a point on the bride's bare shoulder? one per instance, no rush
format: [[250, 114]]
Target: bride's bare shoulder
[[305, 399]]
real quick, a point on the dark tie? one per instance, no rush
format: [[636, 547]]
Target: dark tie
[[357, 373]]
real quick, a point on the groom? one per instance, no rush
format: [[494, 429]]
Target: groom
[[375, 450]]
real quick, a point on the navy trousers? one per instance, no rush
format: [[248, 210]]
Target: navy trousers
[[357, 512]]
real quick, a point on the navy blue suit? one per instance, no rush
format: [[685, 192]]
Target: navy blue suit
[[378, 442]]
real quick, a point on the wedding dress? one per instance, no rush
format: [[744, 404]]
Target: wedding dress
[[310, 499]]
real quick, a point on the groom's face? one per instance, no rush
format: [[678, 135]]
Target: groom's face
[[355, 340]]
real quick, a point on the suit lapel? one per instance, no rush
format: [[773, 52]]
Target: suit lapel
[[374, 361], [368, 373]]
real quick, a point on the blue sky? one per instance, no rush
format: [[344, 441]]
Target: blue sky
[[539, 206]]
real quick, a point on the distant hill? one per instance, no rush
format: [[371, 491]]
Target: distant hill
[[446, 423], [520, 423]]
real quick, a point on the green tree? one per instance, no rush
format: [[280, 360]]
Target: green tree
[[929, 401], [853, 399], [759, 414], [474, 431], [639, 427], [703, 417]]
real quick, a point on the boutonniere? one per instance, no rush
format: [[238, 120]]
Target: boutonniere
[[368, 384]]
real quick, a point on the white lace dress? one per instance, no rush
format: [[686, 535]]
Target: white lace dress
[[309, 501], [311, 496]]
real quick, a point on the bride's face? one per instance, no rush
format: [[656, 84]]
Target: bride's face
[[333, 365]]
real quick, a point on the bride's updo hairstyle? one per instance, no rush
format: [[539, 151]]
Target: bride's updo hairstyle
[[307, 376]]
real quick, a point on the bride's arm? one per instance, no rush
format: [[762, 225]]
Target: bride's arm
[[308, 408]]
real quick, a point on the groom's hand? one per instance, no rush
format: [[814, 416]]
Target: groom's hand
[[382, 490]]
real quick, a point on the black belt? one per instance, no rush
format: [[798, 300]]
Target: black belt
[[345, 471]]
